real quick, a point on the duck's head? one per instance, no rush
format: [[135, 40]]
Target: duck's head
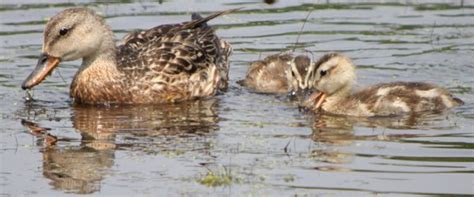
[[297, 75], [332, 73], [70, 35]]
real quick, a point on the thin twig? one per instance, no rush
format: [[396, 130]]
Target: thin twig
[[310, 52], [286, 147], [16, 143], [62, 77], [301, 30], [431, 35]]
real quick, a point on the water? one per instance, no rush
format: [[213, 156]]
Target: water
[[242, 143]]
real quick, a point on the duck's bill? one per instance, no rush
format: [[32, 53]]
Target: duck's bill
[[319, 100], [300, 94], [45, 66]]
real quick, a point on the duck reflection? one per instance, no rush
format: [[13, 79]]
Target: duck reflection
[[339, 131], [335, 128], [76, 170], [81, 168], [197, 117]]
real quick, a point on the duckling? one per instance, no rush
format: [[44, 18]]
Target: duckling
[[164, 64], [334, 76], [278, 73]]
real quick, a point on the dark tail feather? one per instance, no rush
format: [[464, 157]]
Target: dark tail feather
[[199, 20], [196, 16]]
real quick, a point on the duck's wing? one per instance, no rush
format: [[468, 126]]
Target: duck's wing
[[177, 58], [137, 39]]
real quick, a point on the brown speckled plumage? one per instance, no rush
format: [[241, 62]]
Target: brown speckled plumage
[[167, 63], [278, 73], [334, 76]]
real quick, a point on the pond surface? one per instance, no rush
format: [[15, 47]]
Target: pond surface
[[242, 143]]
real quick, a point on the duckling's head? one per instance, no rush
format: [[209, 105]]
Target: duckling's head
[[70, 35], [297, 75], [332, 73]]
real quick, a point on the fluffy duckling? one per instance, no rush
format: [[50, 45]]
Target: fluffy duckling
[[164, 64], [334, 76], [278, 73]]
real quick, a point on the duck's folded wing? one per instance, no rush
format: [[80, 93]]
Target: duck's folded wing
[[172, 52], [169, 50], [138, 38]]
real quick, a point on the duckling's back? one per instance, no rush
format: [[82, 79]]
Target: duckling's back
[[269, 75], [404, 97]]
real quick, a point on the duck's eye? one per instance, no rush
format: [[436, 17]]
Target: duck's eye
[[322, 73], [63, 31]]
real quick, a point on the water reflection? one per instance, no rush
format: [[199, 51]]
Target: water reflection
[[340, 129], [197, 117], [103, 130], [343, 131], [77, 169]]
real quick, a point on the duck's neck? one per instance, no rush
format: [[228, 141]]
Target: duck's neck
[[340, 95], [104, 57], [337, 99], [97, 74]]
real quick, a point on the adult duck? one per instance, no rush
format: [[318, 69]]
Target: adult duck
[[164, 64]]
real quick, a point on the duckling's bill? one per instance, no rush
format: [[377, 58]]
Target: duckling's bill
[[319, 100], [44, 67]]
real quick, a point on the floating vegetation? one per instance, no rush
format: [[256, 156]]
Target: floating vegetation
[[289, 178], [219, 178]]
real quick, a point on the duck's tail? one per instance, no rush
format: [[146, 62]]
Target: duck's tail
[[197, 16], [457, 101], [198, 20]]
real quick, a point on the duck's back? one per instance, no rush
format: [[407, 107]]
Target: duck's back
[[403, 97], [177, 62]]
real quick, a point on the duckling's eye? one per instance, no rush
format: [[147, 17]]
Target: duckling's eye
[[322, 73], [63, 31]]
